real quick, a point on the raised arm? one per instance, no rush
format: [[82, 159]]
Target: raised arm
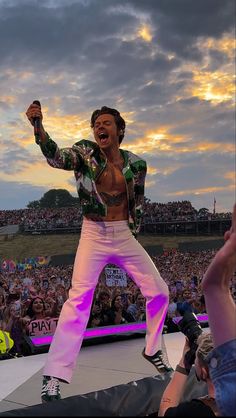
[[64, 158], [175, 389], [220, 305], [34, 111]]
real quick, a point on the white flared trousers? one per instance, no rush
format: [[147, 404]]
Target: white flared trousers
[[102, 243]]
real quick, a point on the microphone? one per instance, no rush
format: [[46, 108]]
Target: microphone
[[37, 125]]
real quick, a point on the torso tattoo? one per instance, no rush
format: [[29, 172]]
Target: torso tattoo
[[113, 200], [111, 186]]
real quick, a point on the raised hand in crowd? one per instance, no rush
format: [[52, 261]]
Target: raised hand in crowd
[[221, 311], [216, 289]]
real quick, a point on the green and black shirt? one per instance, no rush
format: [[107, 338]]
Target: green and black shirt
[[87, 162]]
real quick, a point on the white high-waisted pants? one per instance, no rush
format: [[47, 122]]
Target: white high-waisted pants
[[102, 243]]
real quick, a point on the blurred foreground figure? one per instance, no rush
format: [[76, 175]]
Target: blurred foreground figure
[[221, 311]]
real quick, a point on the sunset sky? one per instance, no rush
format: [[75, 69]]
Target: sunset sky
[[167, 65]]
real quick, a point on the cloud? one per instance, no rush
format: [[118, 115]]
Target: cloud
[[168, 66], [180, 23], [16, 195], [15, 158]]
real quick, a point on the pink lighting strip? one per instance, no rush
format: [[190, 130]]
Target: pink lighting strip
[[200, 317], [109, 330], [97, 332]]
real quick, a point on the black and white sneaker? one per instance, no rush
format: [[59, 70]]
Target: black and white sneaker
[[159, 360], [50, 389]]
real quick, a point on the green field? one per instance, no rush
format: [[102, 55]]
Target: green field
[[20, 246]]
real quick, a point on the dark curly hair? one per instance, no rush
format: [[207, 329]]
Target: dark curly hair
[[30, 312], [120, 122]]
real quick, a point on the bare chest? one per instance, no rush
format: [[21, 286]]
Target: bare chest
[[111, 180]]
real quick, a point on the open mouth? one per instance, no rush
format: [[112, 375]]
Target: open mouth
[[103, 136]]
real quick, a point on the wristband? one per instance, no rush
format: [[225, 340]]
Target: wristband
[[182, 370]]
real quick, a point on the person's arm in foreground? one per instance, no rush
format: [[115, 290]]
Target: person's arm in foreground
[[174, 390], [220, 305]]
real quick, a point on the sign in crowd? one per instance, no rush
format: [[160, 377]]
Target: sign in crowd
[[41, 327]]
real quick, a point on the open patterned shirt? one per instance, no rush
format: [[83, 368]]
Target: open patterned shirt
[[88, 162]]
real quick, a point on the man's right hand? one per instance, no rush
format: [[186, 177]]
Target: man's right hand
[[34, 111]]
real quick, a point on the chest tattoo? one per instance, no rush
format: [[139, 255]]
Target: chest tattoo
[[113, 200]]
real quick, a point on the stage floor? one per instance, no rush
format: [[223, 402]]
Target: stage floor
[[98, 367]]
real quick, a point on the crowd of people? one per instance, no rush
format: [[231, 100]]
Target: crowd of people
[[178, 211], [40, 293], [44, 218], [56, 218]]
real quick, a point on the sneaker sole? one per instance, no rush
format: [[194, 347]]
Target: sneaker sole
[[160, 370]]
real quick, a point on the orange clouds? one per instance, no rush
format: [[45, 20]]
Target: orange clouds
[[8, 99], [65, 129], [230, 175], [226, 45], [214, 86], [201, 191], [41, 174], [152, 170], [162, 141], [13, 74], [145, 33]]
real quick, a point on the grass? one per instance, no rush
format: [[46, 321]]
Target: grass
[[19, 246]]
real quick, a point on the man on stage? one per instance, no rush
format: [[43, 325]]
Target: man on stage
[[110, 183]]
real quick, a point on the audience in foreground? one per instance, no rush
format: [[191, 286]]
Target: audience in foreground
[[171, 404], [221, 311], [215, 361]]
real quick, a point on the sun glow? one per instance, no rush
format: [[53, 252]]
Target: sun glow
[[145, 33]]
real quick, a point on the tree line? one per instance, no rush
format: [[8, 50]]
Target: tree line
[[59, 198]]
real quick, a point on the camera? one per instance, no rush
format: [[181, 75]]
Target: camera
[[190, 326]]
